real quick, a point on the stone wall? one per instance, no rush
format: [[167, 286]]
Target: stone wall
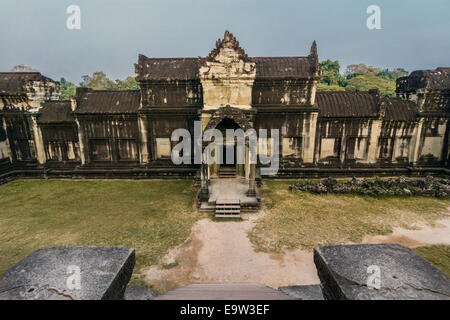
[[127, 133]]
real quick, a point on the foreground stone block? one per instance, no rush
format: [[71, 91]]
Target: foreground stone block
[[52, 274], [139, 293], [343, 272], [307, 292]]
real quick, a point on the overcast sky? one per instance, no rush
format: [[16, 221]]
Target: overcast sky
[[414, 35]]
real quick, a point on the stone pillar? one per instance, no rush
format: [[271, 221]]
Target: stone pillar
[[204, 191], [415, 154], [81, 143], [252, 181], [38, 141], [309, 138], [375, 132], [252, 174], [142, 124], [6, 146]]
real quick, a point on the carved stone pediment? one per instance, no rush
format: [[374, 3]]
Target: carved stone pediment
[[228, 42], [227, 75]]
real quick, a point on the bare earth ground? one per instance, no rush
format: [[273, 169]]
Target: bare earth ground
[[220, 252], [424, 235]]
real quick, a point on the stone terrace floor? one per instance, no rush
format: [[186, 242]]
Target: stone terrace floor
[[230, 189]]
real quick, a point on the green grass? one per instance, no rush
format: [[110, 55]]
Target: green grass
[[295, 219], [438, 255], [150, 216]]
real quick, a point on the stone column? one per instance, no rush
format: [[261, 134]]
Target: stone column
[[251, 175], [6, 146], [38, 141], [81, 143], [252, 181], [142, 123], [309, 137], [204, 191], [417, 138], [375, 132]]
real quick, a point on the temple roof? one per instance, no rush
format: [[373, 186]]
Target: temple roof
[[359, 104], [337, 104], [284, 67], [100, 101], [13, 83], [400, 110], [166, 69], [56, 112], [158, 69], [437, 79]]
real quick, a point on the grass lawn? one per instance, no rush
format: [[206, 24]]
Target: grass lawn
[[438, 255], [150, 216], [295, 219]]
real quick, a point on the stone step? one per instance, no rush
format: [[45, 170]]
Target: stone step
[[229, 291], [228, 202], [229, 216], [227, 175], [228, 208], [225, 207], [227, 172]]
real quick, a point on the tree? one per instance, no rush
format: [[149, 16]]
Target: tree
[[99, 81], [394, 74], [129, 83], [326, 87], [67, 88], [369, 81], [331, 75], [354, 70], [23, 68]]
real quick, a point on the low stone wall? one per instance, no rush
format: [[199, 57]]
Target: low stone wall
[[428, 186], [69, 273], [378, 272]]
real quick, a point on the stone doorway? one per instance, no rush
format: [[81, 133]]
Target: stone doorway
[[229, 167], [222, 119]]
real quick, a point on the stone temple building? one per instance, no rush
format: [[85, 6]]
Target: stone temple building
[[126, 134]]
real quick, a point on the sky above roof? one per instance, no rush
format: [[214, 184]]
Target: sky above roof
[[414, 34]]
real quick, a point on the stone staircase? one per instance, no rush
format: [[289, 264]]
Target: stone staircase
[[227, 172], [228, 208]]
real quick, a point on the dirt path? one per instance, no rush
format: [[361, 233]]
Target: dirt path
[[424, 235], [220, 252]]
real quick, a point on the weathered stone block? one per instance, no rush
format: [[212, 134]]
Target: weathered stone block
[[51, 274], [307, 292], [139, 293], [343, 272]]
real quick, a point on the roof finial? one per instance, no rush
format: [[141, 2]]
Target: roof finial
[[313, 52]]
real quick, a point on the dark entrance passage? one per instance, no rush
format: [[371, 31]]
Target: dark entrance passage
[[229, 166], [229, 156]]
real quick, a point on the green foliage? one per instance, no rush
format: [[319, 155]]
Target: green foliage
[[394, 74], [333, 87], [354, 70], [129, 83], [99, 81], [370, 81], [67, 88], [331, 75], [359, 77]]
